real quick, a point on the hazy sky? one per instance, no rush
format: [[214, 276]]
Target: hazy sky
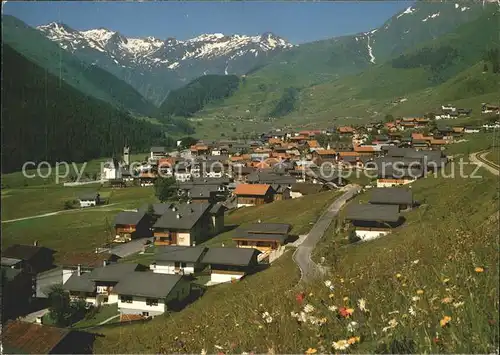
[[298, 22]]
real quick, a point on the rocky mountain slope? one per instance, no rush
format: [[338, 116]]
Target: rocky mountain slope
[[156, 66]]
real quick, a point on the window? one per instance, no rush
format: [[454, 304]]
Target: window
[[152, 301], [126, 299], [183, 264], [145, 314], [106, 299], [177, 264]]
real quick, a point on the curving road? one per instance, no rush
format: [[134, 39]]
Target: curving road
[[302, 256], [480, 159]]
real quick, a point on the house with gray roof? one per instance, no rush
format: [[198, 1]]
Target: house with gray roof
[[264, 237], [187, 224], [150, 294], [89, 199], [230, 264], [131, 225], [392, 196], [176, 259], [371, 221]]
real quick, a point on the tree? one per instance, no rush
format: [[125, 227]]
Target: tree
[[165, 188], [60, 306], [389, 118], [187, 142]]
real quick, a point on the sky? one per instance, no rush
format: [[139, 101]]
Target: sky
[[298, 22]]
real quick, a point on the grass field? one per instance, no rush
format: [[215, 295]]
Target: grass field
[[494, 155]]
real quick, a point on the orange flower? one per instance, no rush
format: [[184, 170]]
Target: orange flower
[[345, 312], [445, 321], [447, 300], [353, 340], [478, 269], [311, 351]]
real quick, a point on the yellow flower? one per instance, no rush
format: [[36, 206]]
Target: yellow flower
[[331, 295], [420, 292], [478, 269], [351, 340], [398, 276], [310, 294], [341, 280], [311, 351], [444, 322], [446, 280], [350, 310], [447, 300], [346, 298]]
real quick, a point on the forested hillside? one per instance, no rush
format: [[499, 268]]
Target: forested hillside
[[88, 78], [194, 96], [44, 118]]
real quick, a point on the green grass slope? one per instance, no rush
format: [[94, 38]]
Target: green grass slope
[[89, 79], [45, 119]]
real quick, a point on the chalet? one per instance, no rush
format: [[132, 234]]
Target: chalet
[[438, 143], [281, 191], [150, 294], [156, 153], [262, 236], [200, 193], [253, 194], [30, 338], [31, 259], [199, 149], [313, 144], [322, 155], [345, 131], [182, 260], [188, 224], [392, 196], [472, 129], [97, 287], [366, 150], [487, 108], [69, 264], [230, 264], [131, 225], [372, 221], [420, 144], [464, 111], [303, 189], [182, 171], [117, 183], [89, 200], [269, 177], [147, 178]]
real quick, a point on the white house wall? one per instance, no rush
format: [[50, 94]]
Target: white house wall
[[169, 268], [369, 235], [222, 278], [295, 194], [139, 305]]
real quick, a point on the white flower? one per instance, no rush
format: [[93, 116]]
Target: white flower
[[203, 352], [332, 308], [362, 304], [265, 314], [340, 345], [302, 317], [328, 283], [294, 314], [415, 298], [308, 308], [218, 347], [458, 304], [269, 319], [416, 261], [393, 322], [412, 311], [352, 326]]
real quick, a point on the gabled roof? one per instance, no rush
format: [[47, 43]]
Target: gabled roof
[[391, 195], [184, 217], [325, 152], [30, 338], [157, 149], [179, 253], [87, 259], [147, 284], [252, 189], [230, 256], [24, 252], [113, 272], [368, 212], [306, 188], [81, 283], [129, 217]]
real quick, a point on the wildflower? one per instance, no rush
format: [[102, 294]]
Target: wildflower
[[447, 300], [362, 305], [331, 295], [478, 269], [308, 308], [393, 322], [445, 321], [412, 311], [323, 320], [203, 352], [415, 298], [300, 297], [269, 319], [346, 312], [446, 281], [352, 326], [311, 351], [265, 314], [415, 261], [436, 340], [332, 308], [342, 281], [458, 304], [353, 340], [420, 292], [346, 298], [311, 294], [340, 345], [398, 276], [218, 347], [328, 283], [260, 326], [294, 314], [393, 312]]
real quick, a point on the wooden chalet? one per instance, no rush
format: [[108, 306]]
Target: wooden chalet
[[262, 236], [131, 225], [253, 194], [371, 221]]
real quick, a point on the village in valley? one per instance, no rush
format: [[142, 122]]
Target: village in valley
[[164, 255]]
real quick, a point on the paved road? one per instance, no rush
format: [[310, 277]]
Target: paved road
[[480, 159], [132, 247], [302, 255], [100, 208]]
